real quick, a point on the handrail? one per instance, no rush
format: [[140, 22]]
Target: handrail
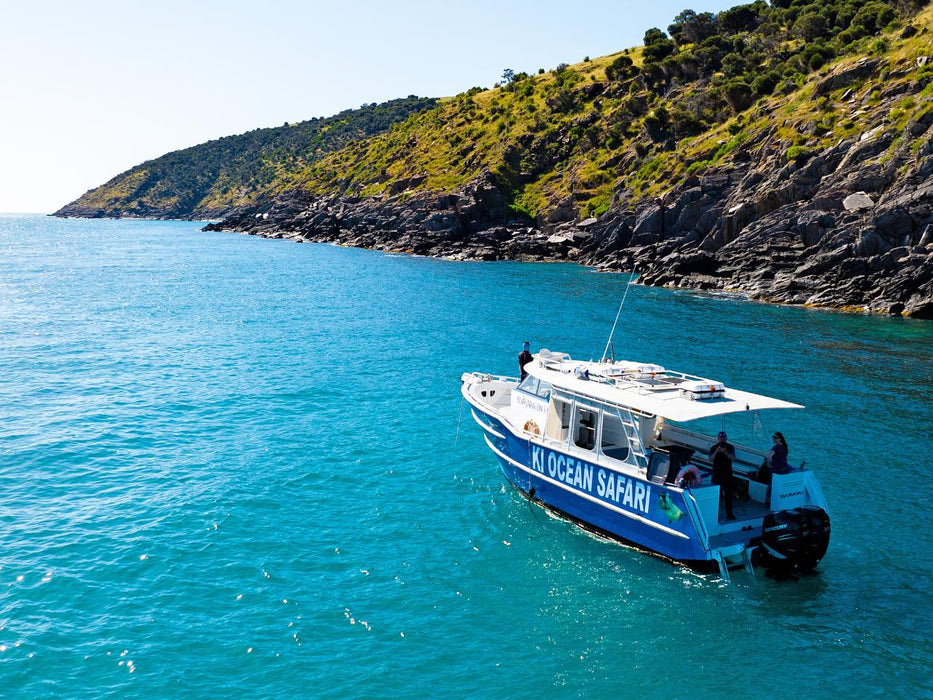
[[704, 533], [485, 376], [600, 401]]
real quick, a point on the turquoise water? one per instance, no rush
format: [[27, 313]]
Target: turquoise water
[[235, 467]]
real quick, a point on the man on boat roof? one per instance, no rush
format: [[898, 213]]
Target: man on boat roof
[[524, 357]]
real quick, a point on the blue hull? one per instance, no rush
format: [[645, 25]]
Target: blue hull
[[651, 516]]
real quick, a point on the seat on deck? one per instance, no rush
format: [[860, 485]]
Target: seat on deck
[[674, 458], [659, 467]]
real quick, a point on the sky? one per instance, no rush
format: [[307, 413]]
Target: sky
[[90, 89]]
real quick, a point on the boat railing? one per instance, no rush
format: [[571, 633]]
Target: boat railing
[[485, 377], [697, 517], [656, 378], [749, 457]]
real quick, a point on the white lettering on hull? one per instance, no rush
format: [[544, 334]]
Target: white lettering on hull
[[608, 485], [536, 405]]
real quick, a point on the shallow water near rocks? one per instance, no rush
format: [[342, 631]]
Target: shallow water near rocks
[[232, 466]]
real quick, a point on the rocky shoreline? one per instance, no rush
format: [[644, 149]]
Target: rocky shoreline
[[839, 229]]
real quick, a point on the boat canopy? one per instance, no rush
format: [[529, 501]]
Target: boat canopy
[[646, 388]]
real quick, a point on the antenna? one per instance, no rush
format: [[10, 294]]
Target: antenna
[[618, 313]]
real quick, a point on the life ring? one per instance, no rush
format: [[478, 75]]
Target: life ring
[[532, 427], [684, 480]]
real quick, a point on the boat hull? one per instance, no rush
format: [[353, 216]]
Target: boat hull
[[651, 516]]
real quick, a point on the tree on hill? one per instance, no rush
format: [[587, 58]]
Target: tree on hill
[[810, 25], [691, 28], [742, 18], [657, 45], [620, 68]]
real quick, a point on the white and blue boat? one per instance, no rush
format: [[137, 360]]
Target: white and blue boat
[[608, 444]]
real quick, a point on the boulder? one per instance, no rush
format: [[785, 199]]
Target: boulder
[[846, 76], [857, 201]]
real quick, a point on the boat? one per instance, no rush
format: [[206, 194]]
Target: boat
[[614, 446]]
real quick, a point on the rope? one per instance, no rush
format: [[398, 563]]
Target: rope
[[618, 313], [457, 436]]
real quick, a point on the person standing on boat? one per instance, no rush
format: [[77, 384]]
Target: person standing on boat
[[722, 453], [777, 457], [524, 357]]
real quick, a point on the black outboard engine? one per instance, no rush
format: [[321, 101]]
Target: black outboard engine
[[796, 539]]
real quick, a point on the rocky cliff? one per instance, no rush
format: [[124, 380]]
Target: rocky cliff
[[849, 225], [781, 150]]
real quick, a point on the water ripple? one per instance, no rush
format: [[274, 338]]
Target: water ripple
[[237, 467]]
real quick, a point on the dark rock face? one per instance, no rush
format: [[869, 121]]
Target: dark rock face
[[825, 233], [850, 227], [471, 224]]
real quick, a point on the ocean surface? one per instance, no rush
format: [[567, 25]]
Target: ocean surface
[[236, 467]]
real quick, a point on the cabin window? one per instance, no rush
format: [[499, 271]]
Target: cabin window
[[530, 384], [584, 434], [558, 422], [544, 390], [614, 442]]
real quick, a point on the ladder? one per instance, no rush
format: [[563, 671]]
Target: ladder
[[719, 556], [633, 436]]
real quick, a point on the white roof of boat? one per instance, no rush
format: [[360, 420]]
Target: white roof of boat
[[647, 388]]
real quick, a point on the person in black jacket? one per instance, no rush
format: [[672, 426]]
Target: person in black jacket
[[722, 453], [524, 357]]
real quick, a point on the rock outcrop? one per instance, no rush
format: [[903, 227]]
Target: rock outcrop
[[473, 223], [831, 231], [842, 228]]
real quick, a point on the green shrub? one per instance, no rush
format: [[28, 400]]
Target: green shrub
[[873, 16], [520, 212], [799, 153], [685, 123], [742, 18], [738, 94], [620, 68], [734, 65], [847, 37], [878, 47], [764, 84], [657, 45], [810, 26], [598, 205], [657, 123], [697, 166]]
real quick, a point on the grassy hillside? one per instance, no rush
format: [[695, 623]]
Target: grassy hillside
[[212, 178], [610, 130], [634, 123]]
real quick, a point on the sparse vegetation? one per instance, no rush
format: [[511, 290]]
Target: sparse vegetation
[[235, 170], [635, 121]]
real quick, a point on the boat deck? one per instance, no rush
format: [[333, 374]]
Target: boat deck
[[729, 538], [748, 516]]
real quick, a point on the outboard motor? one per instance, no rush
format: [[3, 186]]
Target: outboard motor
[[796, 539]]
